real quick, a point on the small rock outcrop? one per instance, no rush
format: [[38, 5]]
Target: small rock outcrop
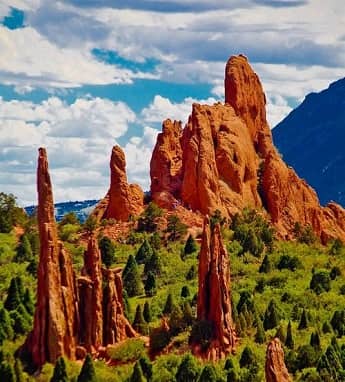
[[214, 295], [123, 199], [56, 323], [275, 368], [229, 162]]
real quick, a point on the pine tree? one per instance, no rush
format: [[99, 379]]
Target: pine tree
[[175, 228], [188, 316], [137, 375], [168, 304], [315, 341], [208, 374], [272, 317], [280, 333], [7, 374], [28, 302], [247, 357], [107, 251], [153, 265], [21, 325], [20, 288], [13, 298], [5, 324], [147, 312], [229, 364], [126, 304], [176, 322], [185, 292], [139, 323], [60, 373], [190, 246], [327, 327], [289, 342], [87, 372], [266, 265], [150, 285], [192, 272], [303, 324], [131, 278], [23, 251], [155, 241], [188, 370], [146, 367], [260, 336], [144, 253]]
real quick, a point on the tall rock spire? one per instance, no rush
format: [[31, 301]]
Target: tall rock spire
[[214, 295], [275, 368], [56, 315]]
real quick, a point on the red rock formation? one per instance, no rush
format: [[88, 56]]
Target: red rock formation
[[166, 164], [91, 298], [115, 325], [122, 199], [229, 162], [275, 368], [214, 295], [56, 316]]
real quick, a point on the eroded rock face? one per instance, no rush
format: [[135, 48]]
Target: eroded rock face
[[116, 326], [91, 298], [214, 295], [123, 199], [229, 162], [275, 368], [56, 316]]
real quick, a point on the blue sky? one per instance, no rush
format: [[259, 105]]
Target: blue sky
[[78, 76]]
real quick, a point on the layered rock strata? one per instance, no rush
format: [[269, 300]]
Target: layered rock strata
[[225, 159], [214, 295]]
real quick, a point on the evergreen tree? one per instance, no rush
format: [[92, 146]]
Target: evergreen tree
[[32, 267], [192, 272], [289, 342], [190, 246], [326, 327], [188, 316], [28, 302], [13, 298], [185, 292], [6, 324], [229, 364], [139, 323], [315, 341], [303, 324], [176, 321], [247, 357], [18, 370], [320, 282], [153, 265], [137, 375], [87, 372], [126, 304], [147, 312], [147, 221], [272, 316], [21, 325], [260, 336], [155, 241], [23, 251], [144, 253], [280, 333], [20, 288], [266, 265], [168, 304], [131, 278], [60, 373], [7, 372], [175, 227], [232, 376], [107, 249], [150, 285], [188, 370], [208, 374], [146, 367]]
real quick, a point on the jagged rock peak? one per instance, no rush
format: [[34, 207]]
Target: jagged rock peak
[[123, 199], [56, 314], [275, 368], [214, 295]]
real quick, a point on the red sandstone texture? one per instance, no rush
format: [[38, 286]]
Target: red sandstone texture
[[214, 295], [56, 316], [275, 368], [229, 162], [123, 199]]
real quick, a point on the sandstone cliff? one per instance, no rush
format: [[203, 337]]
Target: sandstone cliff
[[275, 368], [229, 162], [56, 316], [214, 295], [123, 199]]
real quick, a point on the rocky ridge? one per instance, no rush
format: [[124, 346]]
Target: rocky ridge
[[275, 368]]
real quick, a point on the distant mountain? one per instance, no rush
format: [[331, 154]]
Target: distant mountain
[[312, 140], [80, 208]]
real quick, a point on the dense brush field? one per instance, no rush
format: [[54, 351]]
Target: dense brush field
[[293, 290]]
